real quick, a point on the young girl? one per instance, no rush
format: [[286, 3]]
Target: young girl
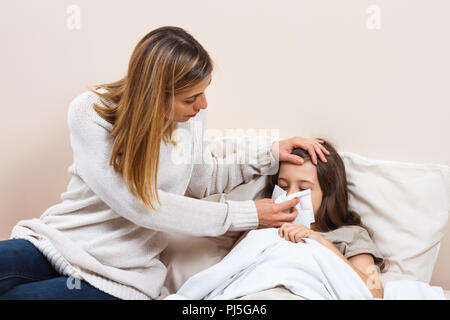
[[336, 226]]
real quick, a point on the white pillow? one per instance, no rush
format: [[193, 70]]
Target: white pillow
[[405, 206]]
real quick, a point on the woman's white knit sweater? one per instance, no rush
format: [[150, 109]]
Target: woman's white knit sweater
[[104, 235]]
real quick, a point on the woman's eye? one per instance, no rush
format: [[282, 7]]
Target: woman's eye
[[189, 102]]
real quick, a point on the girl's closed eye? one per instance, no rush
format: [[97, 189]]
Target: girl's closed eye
[[285, 187]]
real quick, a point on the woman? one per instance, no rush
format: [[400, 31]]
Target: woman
[[336, 226], [104, 239]]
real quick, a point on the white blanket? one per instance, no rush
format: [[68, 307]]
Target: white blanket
[[264, 260]]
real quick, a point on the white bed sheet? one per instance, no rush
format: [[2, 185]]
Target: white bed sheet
[[447, 294], [281, 293]]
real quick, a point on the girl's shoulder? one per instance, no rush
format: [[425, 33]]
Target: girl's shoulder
[[346, 233], [351, 240]]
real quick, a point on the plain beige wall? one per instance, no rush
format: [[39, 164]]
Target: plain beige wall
[[309, 68]]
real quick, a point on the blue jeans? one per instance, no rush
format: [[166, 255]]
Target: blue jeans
[[26, 274]]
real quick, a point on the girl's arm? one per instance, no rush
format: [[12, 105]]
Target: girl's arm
[[363, 264]]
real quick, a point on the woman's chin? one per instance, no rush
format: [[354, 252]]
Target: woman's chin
[[184, 119], [181, 119]]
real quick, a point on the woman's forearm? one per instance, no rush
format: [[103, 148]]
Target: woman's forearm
[[376, 293]]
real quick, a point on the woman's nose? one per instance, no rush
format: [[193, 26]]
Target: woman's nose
[[202, 103]]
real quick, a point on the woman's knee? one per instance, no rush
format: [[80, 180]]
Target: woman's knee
[[22, 254], [58, 288], [14, 245], [22, 262]]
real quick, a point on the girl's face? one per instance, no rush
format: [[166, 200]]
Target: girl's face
[[294, 178], [188, 103]]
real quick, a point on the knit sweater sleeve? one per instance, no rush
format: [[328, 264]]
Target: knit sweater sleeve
[[92, 145], [235, 160]]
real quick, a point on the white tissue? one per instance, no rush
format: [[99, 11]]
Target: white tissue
[[305, 209]]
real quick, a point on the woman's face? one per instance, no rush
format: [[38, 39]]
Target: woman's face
[[188, 103], [294, 178]]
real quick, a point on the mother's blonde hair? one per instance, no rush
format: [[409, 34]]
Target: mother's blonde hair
[[165, 62]]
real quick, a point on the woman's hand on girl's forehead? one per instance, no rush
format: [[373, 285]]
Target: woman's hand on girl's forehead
[[282, 149]]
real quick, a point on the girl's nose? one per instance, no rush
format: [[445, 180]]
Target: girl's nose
[[292, 189]]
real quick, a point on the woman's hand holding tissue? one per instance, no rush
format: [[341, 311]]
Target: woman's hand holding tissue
[[282, 149], [295, 233], [271, 215]]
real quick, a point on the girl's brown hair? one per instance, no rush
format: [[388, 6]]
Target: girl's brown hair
[[165, 62]]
